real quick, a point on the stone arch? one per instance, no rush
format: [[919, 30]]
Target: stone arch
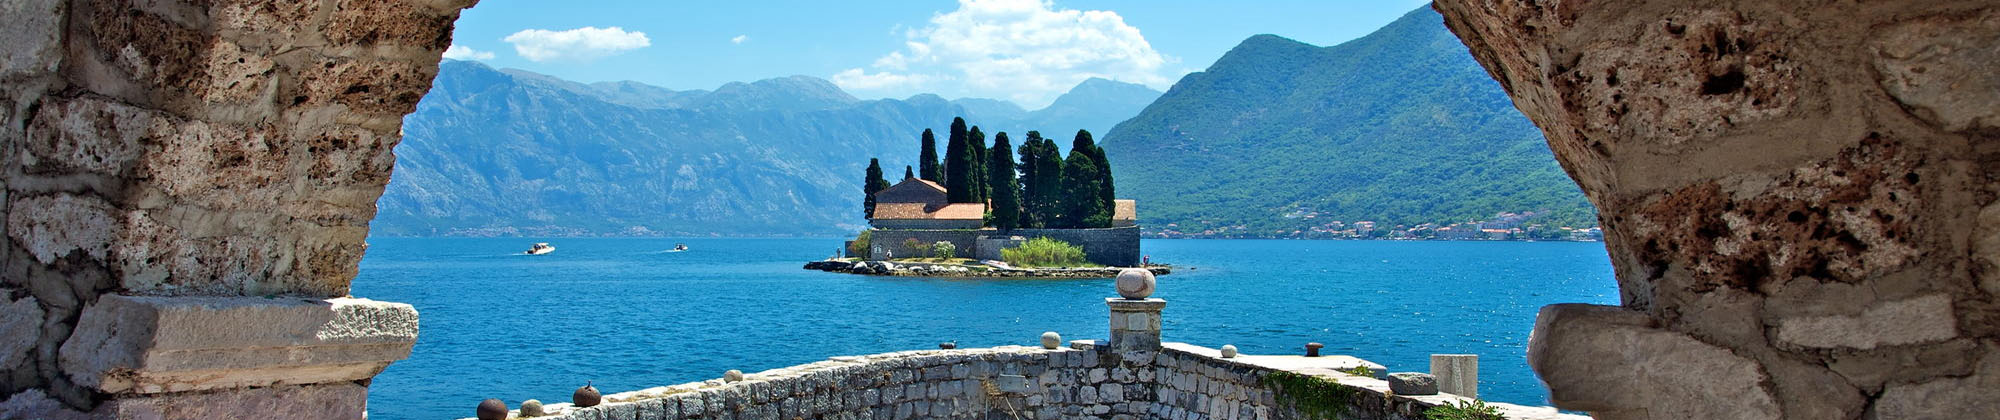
[[187, 188], [1798, 199]]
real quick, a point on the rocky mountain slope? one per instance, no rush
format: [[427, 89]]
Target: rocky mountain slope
[[1400, 126]]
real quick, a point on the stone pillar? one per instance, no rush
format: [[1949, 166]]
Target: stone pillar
[[187, 187], [1456, 373], [1135, 324]]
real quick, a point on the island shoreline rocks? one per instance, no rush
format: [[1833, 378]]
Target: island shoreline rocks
[[917, 269]]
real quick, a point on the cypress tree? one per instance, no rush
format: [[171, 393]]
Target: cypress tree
[[872, 184], [1028, 178], [1048, 180], [975, 145], [957, 164], [1081, 207], [906, 172], [1107, 192], [928, 159], [1000, 180]]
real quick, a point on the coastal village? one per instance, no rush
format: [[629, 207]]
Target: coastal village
[[1506, 226]]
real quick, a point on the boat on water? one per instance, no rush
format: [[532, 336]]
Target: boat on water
[[540, 248], [679, 248]]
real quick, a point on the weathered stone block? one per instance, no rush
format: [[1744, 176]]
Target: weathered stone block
[[1915, 320], [340, 400], [1412, 383], [1937, 67], [1614, 364], [20, 323], [144, 344]]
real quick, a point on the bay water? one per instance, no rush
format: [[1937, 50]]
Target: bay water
[[626, 314]]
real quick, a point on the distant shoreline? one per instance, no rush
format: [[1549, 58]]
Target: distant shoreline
[[922, 269]]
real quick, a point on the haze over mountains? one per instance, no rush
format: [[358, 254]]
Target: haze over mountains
[[1398, 127], [510, 152]]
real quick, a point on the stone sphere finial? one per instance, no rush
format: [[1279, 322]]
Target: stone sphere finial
[[1229, 351], [587, 396], [532, 408], [732, 375], [1050, 340], [492, 409], [1135, 283]]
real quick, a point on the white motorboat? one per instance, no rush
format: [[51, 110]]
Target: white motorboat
[[540, 248]]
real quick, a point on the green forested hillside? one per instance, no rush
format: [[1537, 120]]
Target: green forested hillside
[[1398, 127]]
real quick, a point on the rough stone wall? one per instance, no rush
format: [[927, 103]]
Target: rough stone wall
[[1798, 197], [193, 148], [1115, 247], [1000, 382], [886, 242]]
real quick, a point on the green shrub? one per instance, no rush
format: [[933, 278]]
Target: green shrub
[[1464, 410], [944, 249], [1044, 252], [916, 247], [861, 244], [1362, 371]]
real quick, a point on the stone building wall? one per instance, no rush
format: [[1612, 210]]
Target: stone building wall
[[1115, 247], [1799, 199], [186, 189], [887, 242]]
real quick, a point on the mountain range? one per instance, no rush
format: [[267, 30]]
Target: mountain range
[[1278, 136], [504, 152], [1397, 127]]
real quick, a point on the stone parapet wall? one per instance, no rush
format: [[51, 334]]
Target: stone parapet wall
[[1087, 380]]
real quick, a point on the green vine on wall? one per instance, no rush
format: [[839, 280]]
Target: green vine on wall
[[1465, 410], [1312, 396]]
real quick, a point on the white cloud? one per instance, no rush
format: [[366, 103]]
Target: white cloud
[[739, 39], [1028, 51], [461, 52], [857, 79], [584, 43]]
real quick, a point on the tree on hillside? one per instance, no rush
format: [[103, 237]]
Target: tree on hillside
[[1000, 181], [1081, 206], [958, 165], [928, 159], [872, 184], [906, 173], [975, 145]]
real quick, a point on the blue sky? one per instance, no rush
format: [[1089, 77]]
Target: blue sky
[[1027, 51]]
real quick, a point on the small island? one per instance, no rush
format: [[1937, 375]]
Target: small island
[[979, 213]]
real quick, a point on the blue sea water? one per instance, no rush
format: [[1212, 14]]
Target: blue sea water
[[625, 314]]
